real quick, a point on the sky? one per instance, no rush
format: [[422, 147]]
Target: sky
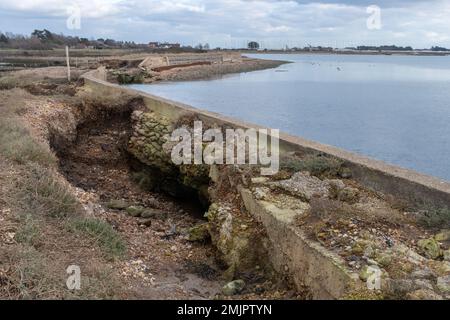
[[232, 23]]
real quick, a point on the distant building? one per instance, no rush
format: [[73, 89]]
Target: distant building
[[153, 45]]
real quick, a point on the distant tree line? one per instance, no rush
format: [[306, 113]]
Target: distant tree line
[[384, 48], [439, 49], [46, 40]]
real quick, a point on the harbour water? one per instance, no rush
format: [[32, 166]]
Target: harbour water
[[392, 108]]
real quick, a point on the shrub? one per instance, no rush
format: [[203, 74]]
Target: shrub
[[316, 164], [432, 217]]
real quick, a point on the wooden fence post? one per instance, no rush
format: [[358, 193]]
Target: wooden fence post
[[68, 63]]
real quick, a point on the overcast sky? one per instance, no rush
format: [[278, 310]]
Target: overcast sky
[[231, 23]]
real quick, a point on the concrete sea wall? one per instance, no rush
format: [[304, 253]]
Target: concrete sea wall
[[181, 59]]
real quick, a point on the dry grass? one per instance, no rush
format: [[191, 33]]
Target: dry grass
[[17, 144], [29, 231], [38, 191], [12, 102], [27, 276], [27, 272]]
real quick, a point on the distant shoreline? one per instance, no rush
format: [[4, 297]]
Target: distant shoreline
[[355, 52]]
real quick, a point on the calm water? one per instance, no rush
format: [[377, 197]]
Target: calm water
[[391, 108]]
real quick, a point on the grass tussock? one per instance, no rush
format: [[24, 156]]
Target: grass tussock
[[17, 144], [40, 192], [100, 231]]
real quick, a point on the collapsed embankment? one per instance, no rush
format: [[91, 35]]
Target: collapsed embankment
[[327, 220]]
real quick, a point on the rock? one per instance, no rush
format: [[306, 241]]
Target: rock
[[423, 274], [214, 173], [442, 268], [135, 211], [145, 222], [259, 180], [345, 173], [198, 233], [117, 204], [430, 248], [369, 252], [443, 284], [423, 284], [367, 271], [336, 185], [402, 286], [446, 255], [357, 250], [154, 214], [444, 235], [348, 194], [423, 294], [303, 185], [234, 287], [384, 259], [259, 193]]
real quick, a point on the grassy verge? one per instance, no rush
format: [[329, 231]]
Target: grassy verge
[[42, 206]]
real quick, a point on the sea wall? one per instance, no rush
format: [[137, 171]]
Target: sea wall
[[181, 59]]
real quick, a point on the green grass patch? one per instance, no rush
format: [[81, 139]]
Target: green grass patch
[[102, 232]]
